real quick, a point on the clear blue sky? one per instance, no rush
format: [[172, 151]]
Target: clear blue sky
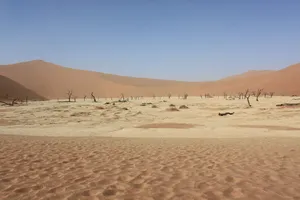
[[170, 39]]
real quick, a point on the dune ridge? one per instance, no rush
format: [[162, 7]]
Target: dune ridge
[[53, 81]]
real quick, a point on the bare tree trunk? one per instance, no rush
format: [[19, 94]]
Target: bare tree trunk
[[258, 93], [94, 98], [248, 100], [84, 97], [185, 96], [70, 95], [247, 96]]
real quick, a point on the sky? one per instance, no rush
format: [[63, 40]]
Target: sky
[[191, 40]]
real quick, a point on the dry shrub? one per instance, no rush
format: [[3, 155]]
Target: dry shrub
[[183, 107], [172, 105], [80, 114], [172, 109], [154, 106]]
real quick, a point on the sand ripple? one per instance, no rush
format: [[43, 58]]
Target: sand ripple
[[105, 168]]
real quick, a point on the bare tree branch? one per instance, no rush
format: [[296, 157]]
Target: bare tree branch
[[13, 102]]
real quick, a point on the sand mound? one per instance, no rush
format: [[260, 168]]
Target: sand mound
[[167, 125]]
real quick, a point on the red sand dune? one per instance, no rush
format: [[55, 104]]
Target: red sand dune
[[16, 90], [53, 81]]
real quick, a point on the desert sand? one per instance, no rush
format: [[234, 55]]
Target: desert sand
[[51, 150]]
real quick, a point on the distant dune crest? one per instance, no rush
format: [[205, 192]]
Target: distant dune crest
[[52, 81]]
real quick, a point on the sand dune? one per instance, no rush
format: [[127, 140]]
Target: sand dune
[[53, 81], [16, 90]]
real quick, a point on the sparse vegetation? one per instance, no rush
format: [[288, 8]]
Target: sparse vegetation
[[172, 109], [183, 107]]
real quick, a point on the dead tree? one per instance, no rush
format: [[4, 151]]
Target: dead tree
[[247, 96], [70, 93], [225, 95], [265, 94], [258, 93], [253, 93], [271, 94], [122, 97], [185, 96], [169, 95], [241, 95], [26, 99], [13, 102], [94, 98], [84, 97]]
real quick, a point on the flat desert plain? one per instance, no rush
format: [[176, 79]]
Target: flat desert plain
[[131, 150]]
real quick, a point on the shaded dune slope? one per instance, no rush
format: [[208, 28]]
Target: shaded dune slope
[[16, 90]]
